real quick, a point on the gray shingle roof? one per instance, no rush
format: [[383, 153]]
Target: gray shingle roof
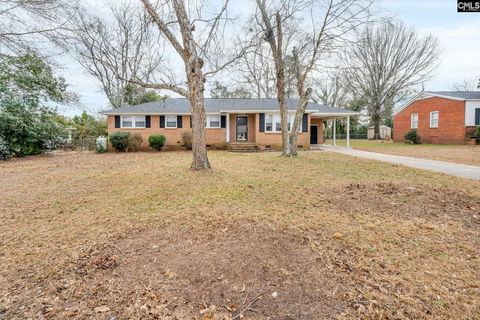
[[182, 106], [468, 95]]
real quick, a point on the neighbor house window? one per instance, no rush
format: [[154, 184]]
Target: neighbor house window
[[273, 122], [133, 121], [434, 119], [414, 121], [171, 121], [213, 121]]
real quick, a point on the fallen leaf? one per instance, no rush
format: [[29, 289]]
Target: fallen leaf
[[101, 309]]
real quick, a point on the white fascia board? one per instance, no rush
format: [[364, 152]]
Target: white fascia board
[[261, 111], [334, 114]]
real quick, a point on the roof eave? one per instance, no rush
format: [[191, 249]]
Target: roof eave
[[334, 114], [430, 95]]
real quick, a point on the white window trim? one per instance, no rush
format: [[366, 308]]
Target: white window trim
[[438, 119], [134, 124], [411, 121], [208, 117], [291, 116], [166, 121]]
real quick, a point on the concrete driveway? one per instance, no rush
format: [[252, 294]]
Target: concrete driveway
[[454, 169]]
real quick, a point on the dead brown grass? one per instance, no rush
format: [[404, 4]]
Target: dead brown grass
[[140, 236], [469, 154]]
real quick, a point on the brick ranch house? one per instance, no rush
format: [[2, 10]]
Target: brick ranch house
[[440, 117], [230, 123]]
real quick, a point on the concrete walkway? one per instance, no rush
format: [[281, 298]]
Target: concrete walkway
[[454, 169]]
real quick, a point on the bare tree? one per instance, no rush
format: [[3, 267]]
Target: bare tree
[[197, 37], [330, 23], [26, 23], [116, 48], [257, 67], [466, 85], [386, 60], [257, 71], [332, 90]]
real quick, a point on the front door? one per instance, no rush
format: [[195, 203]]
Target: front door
[[242, 128], [313, 134]]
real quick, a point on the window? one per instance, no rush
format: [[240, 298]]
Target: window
[[133, 121], [269, 122], [171, 121], [477, 116], [278, 123], [414, 121], [434, 119], [273, 122], [139, 122], [213, 121]]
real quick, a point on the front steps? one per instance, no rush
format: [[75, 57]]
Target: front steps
[[242, 147]]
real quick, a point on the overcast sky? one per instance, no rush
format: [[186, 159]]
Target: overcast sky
[[458, 33]]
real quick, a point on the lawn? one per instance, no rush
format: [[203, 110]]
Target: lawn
[[321, 236], [451, 153]]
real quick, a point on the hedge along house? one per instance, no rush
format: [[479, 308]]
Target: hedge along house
[[440, 117], [236, 124]]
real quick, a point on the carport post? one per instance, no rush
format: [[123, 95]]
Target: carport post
[[228, 128], [334, 132], [348, 131]]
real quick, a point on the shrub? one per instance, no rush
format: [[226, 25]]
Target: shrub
[[412, 137], [5, 151], [156, 141], [30, 130], [477, 132], [120, 140], [187, 140], [135, 142]]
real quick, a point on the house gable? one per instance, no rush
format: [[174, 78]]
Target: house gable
[[448, 129]]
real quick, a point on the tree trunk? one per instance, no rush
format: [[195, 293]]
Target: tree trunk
[[286, 150], [376, 129], [376, 123], [293, 135], [197, 101], [199, 142], [195, 79], [293, 143]]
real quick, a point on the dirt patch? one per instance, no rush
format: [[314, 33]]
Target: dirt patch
[[208, 272]]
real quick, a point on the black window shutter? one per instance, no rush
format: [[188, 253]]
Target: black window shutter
[[179, 121], [477, 117], [262, 122], [117, 121], [147, 122], [162, 121], [190, 121], [305, 123], [223, 121]]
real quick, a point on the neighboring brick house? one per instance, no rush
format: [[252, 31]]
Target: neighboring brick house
[[230, 122], [440, 117]]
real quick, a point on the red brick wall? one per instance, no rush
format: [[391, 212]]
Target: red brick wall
[[215, 137], [274, 139], [451, 122]]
